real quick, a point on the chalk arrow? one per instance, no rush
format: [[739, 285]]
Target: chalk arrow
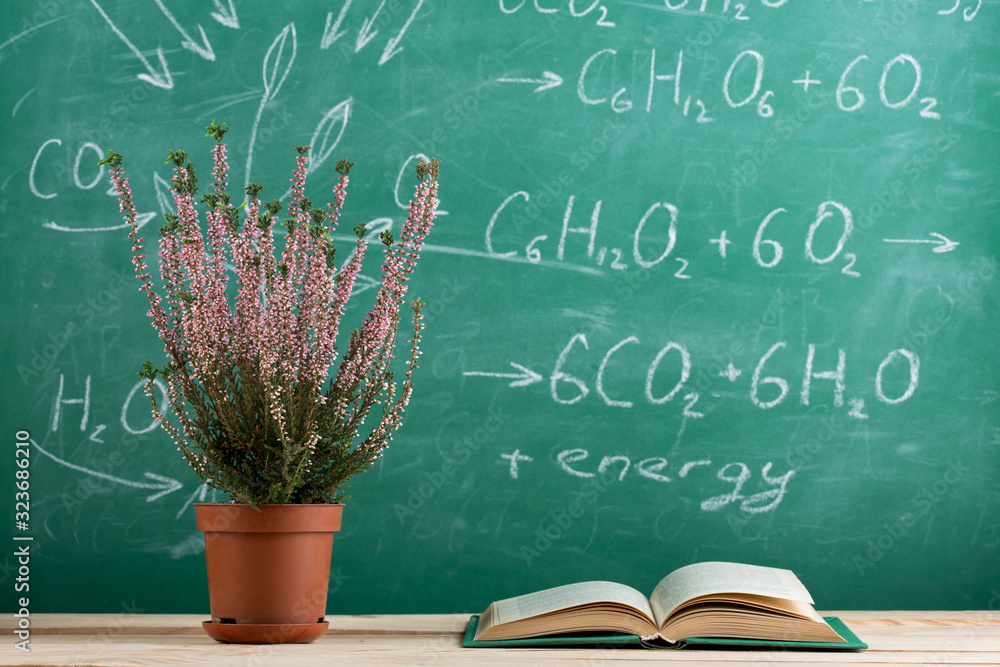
[[366, 34], [330, 33], [205, 51], [143, 218], [391, 46], [163, 485], [226, 17], [940, 242], [548, 80], [160, 80], [525, 377]]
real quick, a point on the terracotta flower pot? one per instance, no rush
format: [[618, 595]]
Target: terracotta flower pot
[[268, 571]]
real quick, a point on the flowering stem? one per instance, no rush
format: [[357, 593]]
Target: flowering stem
[[260, 415]]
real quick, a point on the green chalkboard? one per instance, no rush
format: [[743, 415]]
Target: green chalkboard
[[713, 280]]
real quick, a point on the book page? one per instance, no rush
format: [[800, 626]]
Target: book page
[[700, 579], [563, 597]]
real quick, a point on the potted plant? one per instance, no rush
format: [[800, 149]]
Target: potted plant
[[266, 410]]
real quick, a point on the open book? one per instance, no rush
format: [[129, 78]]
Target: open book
[[704, 600]]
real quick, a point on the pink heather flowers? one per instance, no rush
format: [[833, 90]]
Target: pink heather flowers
[[259, 413]]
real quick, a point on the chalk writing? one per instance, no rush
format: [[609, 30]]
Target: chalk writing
[[203, 50], [599, 10], [574, 463], [369, 30], [164, 80], [709, 9], [968, 13], [765, 391], [160, 484], [226, 15], [745, 83], [273, 81], [661, 221], [332, 31]]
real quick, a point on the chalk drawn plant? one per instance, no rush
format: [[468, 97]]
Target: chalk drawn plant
[[262, 414]]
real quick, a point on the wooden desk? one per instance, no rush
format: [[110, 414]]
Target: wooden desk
[[900, 637]]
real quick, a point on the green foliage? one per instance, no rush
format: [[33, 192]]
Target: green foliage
[[216, 131], [113, 160], [344, 167]]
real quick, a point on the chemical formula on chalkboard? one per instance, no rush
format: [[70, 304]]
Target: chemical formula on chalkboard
[[662, 220], [744, 83], [730, 10], [765, 391]]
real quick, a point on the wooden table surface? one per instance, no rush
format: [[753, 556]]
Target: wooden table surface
[[894, 638]]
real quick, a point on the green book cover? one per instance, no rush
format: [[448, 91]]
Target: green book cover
[[618, 640]]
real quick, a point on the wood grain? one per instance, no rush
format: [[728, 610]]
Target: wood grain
[[99, 640]]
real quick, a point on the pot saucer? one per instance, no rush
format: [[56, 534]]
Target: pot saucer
[[277, 633]]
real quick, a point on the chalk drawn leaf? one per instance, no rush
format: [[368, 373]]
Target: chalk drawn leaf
[[320, 142], [273, 61]]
